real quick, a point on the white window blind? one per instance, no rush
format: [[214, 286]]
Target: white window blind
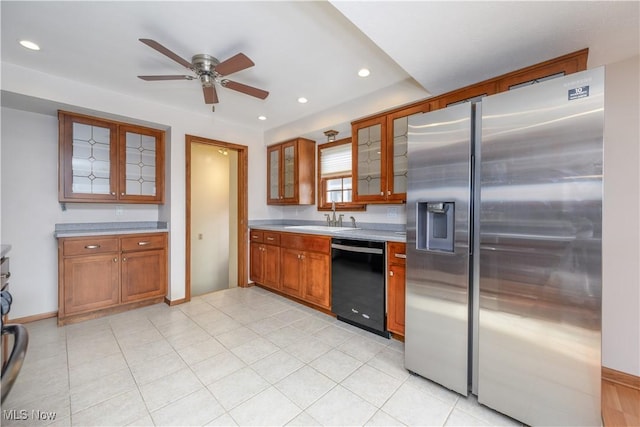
[[335, 161]]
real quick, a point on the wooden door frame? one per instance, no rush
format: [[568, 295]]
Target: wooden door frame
[[243, 211]]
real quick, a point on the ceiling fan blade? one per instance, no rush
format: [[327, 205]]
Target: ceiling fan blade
[[234, 64], [166, 52], [249, 90], [174, 77], [210, 95]]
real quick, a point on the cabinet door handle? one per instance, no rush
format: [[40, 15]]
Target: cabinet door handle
[[122, 194], [92, 246], [391, 273], [144, 243], [5, 275], [388, 192], [382, 193], [124, 259], [115, 260], [271, 238], [113, 193], [403, 256]]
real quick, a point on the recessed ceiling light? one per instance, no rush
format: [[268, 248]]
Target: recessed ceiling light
[[262, 117], [364, 72], [29, 45], [303, 100]]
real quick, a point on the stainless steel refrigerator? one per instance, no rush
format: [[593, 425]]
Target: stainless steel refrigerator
[[504, 230]]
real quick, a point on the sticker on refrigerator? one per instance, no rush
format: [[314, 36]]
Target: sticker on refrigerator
[[579, 92]]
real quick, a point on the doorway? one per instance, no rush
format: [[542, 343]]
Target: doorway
[[216, 215]]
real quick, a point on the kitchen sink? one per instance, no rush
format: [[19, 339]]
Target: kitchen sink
[[323, 228]]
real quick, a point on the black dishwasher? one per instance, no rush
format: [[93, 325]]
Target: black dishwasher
[[357, 284]]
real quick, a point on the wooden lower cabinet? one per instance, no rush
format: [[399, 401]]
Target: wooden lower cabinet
[[315, 278], [300, 266], [291, 272], [264, 253], [105, 274], [91, 283], [396, 282], [142, 271]]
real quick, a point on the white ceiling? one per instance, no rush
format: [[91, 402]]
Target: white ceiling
[[311, 49]]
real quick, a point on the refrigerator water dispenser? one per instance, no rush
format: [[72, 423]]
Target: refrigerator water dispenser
[[435, 226]]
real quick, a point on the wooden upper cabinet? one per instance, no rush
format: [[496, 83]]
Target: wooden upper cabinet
[[557, 67], [380, 163], [101, 161], [291, 173]]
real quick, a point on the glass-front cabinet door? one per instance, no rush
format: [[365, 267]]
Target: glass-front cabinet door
[[103, 161], [289, 171], [88, 160], [273, 174], [369, 158], [140, 157]]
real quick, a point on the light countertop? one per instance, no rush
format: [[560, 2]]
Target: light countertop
[[338, 232], [108, 228]]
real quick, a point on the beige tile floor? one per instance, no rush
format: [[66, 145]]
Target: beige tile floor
[[233, 357]]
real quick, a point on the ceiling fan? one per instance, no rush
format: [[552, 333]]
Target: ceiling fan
[[209, 71]]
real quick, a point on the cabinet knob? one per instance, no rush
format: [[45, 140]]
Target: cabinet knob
[[122, 194], [124, 259], [113, 193], [115, 260], [382, 193], [92, 247], [388, 192], [391, 273]]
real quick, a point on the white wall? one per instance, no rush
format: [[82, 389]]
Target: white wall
[[621, 218]]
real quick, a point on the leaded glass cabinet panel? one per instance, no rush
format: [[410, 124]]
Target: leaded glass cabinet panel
[[400, 160], [274, 174], [90, 159], [289, 178], [140, 164], [369, 159]]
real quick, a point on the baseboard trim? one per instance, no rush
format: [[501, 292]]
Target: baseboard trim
[[175, 301], [621, 378], [34, 318]]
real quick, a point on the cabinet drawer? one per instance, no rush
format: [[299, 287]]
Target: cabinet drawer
[[256, 236], [271, 238], [89, 245], [143, 242], [306, 242], [397, 252]]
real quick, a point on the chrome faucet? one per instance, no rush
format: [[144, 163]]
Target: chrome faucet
[[333, 219], [353, 222]]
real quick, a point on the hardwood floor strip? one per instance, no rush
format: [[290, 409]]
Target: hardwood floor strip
[[621, 378]]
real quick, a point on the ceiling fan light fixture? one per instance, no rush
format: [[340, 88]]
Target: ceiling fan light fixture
[[303, 100], [223, 151], [364, 72], [29, 45]]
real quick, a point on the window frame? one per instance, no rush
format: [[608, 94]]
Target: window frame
[[323, 204]]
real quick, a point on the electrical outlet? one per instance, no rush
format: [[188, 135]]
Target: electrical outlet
[[199, 236], [393, 212], [119, 210]]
